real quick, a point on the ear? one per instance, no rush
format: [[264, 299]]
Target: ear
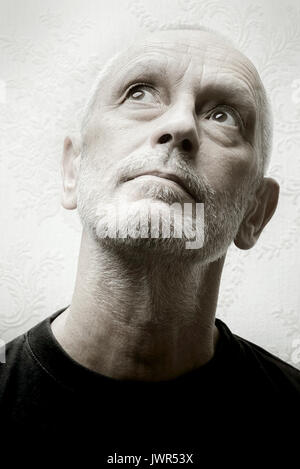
[[258, 214], [69, 171]]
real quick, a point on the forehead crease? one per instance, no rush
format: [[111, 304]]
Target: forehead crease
[[233, 69], [153, 63], [174, 46], [166, 50], [195, 52], [247, 81], [143, 59]]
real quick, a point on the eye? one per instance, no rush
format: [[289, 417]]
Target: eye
[[142, 93], [225, 115]]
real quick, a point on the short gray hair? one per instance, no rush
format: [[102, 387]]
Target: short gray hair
[[266, 117]]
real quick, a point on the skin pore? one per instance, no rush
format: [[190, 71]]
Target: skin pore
[[182, 102]]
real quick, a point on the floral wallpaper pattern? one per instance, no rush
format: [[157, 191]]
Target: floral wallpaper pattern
[[50, 52]]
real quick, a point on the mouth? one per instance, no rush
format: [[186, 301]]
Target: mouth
[[168, 176]]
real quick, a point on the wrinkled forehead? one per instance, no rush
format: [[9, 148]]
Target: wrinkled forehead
[[176, 51]]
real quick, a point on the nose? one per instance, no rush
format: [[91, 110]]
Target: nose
[[178, 129]]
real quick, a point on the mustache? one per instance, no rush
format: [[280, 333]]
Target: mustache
[[165, 161]]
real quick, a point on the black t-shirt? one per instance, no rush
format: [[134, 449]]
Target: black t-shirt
[[244, 398]]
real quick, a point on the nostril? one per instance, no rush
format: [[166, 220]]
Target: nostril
[[165, 138], [186, 145]]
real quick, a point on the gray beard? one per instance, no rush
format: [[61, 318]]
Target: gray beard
[[223, 215]]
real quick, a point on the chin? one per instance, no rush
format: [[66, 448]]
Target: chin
[[148, 218], [148, 238], [128, 228], [169, 251]]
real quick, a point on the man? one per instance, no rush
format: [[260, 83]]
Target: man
[[138, 360]]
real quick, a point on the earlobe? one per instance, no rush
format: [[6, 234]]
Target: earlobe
[[259, 214], [70, 169]]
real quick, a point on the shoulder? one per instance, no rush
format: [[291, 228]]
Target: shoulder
[[281, 375], [14, 353], [14, 365], [259, 370], [21, 364]]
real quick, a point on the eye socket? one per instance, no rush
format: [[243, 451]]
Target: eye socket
[[225, 115], [141, 93]]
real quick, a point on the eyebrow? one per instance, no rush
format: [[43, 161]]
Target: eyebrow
[[231, 86], [236, 93], [132, 71]]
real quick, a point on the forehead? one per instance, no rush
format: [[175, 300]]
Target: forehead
[[196, 52]]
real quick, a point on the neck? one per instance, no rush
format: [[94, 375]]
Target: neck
[[140, 318]]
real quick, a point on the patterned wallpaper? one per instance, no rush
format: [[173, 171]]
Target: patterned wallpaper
[[50, 54]]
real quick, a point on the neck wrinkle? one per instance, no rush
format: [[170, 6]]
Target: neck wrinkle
[[145, 318]]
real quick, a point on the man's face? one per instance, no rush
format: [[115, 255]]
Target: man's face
[[182, 104]]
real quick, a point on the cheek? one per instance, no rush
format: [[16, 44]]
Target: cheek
[[110, 139], [227, 168], [107, 143]]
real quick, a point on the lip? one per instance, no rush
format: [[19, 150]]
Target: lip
[[169, 176]]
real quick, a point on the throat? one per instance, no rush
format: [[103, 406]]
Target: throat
[[138, 320]]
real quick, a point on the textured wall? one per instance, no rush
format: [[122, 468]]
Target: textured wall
[[50, 53]]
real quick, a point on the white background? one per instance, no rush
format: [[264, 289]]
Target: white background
[[50, 52]]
